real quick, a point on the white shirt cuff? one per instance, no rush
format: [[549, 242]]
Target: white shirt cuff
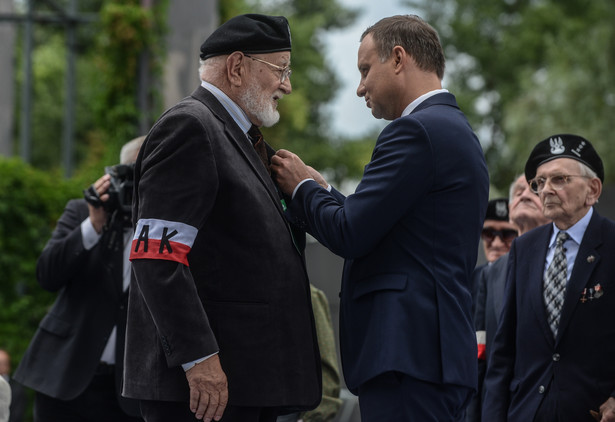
[[88, 234], [302, 182], [189, 365]]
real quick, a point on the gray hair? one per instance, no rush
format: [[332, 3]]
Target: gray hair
[[586, 171], [128, 153], [209, 69]]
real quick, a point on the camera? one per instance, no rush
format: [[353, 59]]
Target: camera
[[120, 191]]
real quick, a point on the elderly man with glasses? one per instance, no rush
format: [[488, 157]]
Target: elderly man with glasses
[[552, 358], [220, 324]]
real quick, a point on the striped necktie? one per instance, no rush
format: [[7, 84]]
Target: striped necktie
[[555, 283]]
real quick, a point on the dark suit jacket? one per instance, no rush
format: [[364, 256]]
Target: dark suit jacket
[[409, 236], [526, 362], [490, 297], [490, 281], [244, 290], [66, 349]]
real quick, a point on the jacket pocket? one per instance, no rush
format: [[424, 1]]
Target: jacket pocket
[[55, 325]]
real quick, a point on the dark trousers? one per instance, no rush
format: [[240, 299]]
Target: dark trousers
[[396, 397], [98, 403], [163, 411]]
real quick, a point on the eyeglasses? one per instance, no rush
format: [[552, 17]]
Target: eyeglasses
[[557, 182], [285, 71], [505, 235]]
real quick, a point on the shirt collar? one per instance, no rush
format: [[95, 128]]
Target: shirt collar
[[414, 104], [238, 115], [575, 232]]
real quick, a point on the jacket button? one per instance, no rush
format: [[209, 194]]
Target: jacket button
[[556, 357], [541, 389]]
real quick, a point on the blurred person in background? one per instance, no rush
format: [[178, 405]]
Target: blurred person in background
[[525, 213], [75, 359], [498, 232], [18, 392]]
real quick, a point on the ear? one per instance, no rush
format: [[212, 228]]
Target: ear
[[595, 189], [235, 69], [400, 57]]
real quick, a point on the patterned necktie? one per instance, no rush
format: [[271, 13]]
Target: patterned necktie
[[555, 283], [259, 146]]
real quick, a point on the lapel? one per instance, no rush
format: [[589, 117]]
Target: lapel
[[499, 283], [581, 271], [242, 144], [536, 266]]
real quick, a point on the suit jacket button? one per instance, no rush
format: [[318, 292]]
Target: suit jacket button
[[541, 389], [556, 357]]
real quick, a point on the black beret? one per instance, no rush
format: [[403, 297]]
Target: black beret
[[251, 33], [564, 146], [497, 209]]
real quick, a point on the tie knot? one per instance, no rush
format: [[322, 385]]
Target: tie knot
[[562, 236], [255, 134]]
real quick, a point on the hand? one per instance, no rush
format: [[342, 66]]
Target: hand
[[289, 170], [607, 410], [208, 389], [98, 216], [318, 177]]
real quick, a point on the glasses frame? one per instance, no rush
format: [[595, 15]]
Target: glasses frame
[[285, 71], [490, 234], [555, 186]]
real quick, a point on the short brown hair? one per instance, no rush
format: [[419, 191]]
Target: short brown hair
[[414, 35]]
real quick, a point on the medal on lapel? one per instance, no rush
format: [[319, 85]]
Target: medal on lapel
[[584, 297]]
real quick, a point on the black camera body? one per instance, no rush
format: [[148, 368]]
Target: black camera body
[[120, 192]]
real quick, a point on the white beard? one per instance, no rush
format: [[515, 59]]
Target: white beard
[[261, 107]]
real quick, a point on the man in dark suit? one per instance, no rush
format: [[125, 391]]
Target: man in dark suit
[[75, 359], [408, 233], [497, 236], [551, 357], [220, 324], [525, 213], [498, 232]]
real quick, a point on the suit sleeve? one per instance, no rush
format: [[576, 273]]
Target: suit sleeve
[[397, 177], [176, 190], [501, 359], [63, 255]]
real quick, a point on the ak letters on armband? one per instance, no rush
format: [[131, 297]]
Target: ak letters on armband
[[162, 239]]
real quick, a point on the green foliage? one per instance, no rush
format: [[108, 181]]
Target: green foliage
[[108, 54], [30, 203], [129, 32], [229, 8], [524, 70]]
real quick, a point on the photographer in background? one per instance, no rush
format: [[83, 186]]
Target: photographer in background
[[75, 359]]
